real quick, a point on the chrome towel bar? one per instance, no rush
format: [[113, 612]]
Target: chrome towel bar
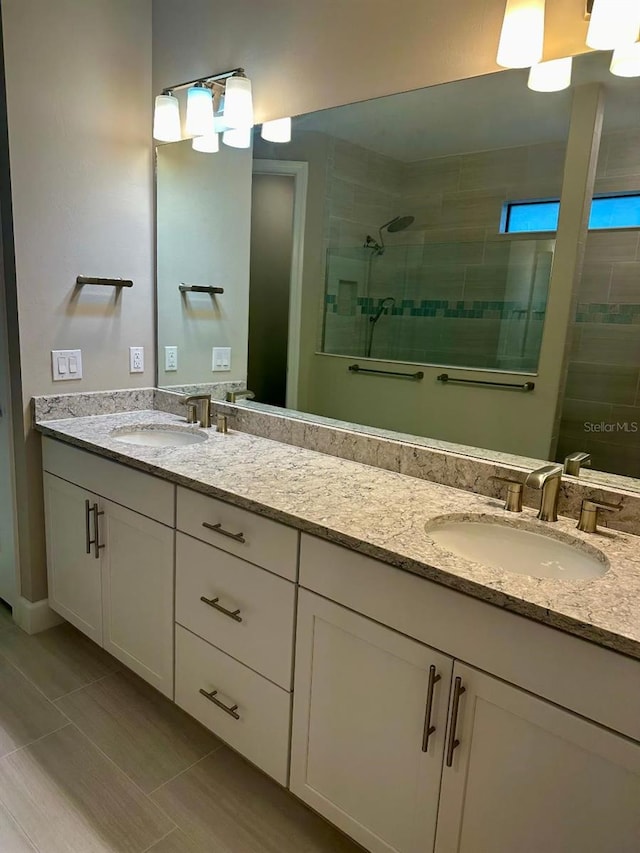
[[524, 386], [417, 376]]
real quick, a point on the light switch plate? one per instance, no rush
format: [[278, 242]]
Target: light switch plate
[[221, 358], [170, 359], [66, 364], [136, 359]]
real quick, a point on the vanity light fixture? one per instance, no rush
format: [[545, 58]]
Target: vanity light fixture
[[277, 130], [209, 144], [625, 61], [200, 120], [166, 118], [238, 103], [522, 35], [613, 23], [552, 76], [239, 137]]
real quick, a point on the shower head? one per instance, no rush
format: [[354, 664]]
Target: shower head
[[384, 306], [398, 223]]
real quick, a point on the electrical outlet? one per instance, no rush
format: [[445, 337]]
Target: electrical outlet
[[136, 359], [66, 364], [170, 359], [221, 358]]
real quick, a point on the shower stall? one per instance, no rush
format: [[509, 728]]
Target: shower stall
[[478, 304]]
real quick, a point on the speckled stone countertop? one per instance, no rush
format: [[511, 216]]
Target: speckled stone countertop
[[384, 515]]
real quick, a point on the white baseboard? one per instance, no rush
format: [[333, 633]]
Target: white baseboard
[[35, 616]]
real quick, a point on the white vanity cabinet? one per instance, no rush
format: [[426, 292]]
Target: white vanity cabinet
[[370, 715], [110, 567], [505, 770]]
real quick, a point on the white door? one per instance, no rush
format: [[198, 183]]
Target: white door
[[8, 568], [73, 557], [529, 777], [137, 594], [360, 751]]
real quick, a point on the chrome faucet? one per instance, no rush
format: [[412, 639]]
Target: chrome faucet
[[234, 396], [201, 405], [548, 479], [573, 462]]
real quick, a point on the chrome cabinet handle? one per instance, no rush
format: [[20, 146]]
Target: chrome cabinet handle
[[96, 541], [213, 602], [454, 743], [434, 678], [231, 711], [87, 513], [217, 528]]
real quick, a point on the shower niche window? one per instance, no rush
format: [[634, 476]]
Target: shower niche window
[[467, 304]]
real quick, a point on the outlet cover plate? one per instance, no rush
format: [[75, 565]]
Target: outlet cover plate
[[170, 359], [66, 364], [136, 359], [221, 359]]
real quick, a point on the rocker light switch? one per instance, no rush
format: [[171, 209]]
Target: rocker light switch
[[66, 364]]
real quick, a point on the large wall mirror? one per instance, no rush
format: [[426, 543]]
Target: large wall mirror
[[396, 241]]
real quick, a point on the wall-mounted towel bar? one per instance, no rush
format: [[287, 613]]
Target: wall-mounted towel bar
[[110, 282], [199, 288], [521, 386], [417, 376]]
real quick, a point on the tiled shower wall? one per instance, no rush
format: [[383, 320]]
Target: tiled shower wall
[[601, 412], [450, 278]]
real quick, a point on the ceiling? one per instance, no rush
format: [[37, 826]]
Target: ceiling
[[479, 114]]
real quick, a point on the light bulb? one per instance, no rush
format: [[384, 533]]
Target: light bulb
[[238, 137], [552, 76], [614, 23], [166, 119], [238, 103], [625, 61], [278, 130], [522, 35], [199, 111], [209, 144]]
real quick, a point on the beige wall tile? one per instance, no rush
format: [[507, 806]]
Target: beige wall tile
[[625, 282], [603, 383], [493, 169]]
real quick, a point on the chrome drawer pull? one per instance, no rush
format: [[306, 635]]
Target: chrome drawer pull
[[87, 513], [95, 542], [212, 698], [217, 528], [213, 602], [454, 743], [434, 678]]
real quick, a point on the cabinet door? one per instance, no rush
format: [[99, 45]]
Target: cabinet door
[[360, 706], [528, 776], [72, 569], [137, 591]]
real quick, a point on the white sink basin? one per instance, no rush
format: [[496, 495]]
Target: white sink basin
[[158, 436], [518, 550]]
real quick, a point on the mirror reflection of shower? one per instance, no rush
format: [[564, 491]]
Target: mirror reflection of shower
[[398, 223], [383, 308]]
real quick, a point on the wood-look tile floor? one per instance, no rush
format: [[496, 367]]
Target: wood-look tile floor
[[93, 760]]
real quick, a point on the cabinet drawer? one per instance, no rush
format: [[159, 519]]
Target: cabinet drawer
[[244, 534], [258, 725], [140, 492], [261, 633]]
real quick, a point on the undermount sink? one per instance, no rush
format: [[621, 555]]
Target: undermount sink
[[158, 436], [517, 549]]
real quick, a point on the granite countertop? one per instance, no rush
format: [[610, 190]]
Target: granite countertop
[[384, 515]]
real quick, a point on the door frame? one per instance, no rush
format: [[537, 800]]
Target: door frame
[[299, 171]]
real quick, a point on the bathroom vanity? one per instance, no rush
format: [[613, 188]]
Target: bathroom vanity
[[295, 604]]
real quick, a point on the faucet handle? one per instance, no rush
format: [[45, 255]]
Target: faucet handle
[[515, 488], [192, 413], [589, 512], [573, 462]]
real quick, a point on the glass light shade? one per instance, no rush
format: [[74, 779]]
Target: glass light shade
[[199, 111], [238, 137], [278, 130], [522, 35], [207, 144], [552, 76], [166, 119], [238, 103], [625, 61], [614, 23]]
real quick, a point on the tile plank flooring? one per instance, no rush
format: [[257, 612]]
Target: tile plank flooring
[[93, 760]]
